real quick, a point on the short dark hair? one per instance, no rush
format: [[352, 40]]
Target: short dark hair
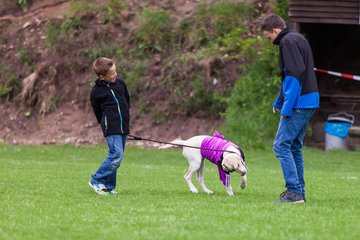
[[271, 22]]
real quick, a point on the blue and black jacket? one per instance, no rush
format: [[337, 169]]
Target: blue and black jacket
[[111, 104], [299, 87]]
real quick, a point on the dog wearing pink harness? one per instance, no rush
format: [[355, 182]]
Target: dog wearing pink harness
[[224, 154]]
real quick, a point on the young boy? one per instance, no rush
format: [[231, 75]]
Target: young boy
[[111, 103]]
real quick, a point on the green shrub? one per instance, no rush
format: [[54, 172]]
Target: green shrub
[[227, 16], [23, 3], [58, 31], [78, 7], [155, 31], [110, 51], [211, 22], [235, 44], [280, 7], [249, 117], [70, 23], [24, 56], [53, 104], [4, 91], [9, 84], [192, 94], [131, 71], [52, 34], [113, 10]]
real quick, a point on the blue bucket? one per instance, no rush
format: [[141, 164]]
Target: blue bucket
[[339, 129]]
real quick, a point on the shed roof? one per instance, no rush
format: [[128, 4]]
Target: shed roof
[[325, 11]]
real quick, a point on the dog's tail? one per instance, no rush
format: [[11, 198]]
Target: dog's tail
[[172, 143]]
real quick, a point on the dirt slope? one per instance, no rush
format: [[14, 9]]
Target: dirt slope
[[72, 120]]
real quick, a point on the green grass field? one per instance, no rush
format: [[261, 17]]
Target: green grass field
[[44, 194]]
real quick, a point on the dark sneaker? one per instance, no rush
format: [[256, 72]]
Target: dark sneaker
[[291, 197]]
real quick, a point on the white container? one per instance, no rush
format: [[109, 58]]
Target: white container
[[333, 142]]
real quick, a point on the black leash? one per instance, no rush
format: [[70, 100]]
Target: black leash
[[137, 138]]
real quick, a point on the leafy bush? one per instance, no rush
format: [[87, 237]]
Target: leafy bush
[[9, 84], [249, 117], [25, 56], [70, 23], [155, 31], [52, 34], [132, 71], [4, 91], [23, 3], [110, 51], [211, 22], [113, 10], [58, 31], [78, 7], [281, 8], [203, 100], [226, 16]]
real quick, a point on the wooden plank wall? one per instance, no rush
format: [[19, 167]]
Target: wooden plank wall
[[325, 11]]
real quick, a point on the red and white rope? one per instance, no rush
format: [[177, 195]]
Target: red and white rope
[[344, 75]]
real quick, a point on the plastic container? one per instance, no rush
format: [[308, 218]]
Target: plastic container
[[337, 129]]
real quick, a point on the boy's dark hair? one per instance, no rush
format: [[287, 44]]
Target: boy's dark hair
[[271, 22], [102, 65]]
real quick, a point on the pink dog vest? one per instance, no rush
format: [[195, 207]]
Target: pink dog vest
[[219, 143]]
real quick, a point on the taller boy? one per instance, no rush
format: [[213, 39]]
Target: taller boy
[[296, 102], [111, 103]]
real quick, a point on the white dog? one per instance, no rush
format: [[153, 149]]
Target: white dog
[[225, 154]]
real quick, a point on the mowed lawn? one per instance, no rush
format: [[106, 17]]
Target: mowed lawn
[[44, 194]]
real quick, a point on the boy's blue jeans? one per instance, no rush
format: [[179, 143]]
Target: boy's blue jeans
[[106, 174], [288, 145]]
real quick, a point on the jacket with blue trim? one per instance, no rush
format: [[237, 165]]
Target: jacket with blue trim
[[299, 87], [111, 104]]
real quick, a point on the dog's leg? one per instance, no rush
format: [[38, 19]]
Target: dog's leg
[[188, 177], [229, 190], [200, 178], [243, 182], [194, 158]]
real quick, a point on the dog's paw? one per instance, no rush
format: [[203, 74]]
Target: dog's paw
[[194, 190], [209, 192], [243, 182], [230, 194], [229, 190]]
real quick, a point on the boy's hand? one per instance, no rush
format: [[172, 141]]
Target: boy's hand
[[275, 109]]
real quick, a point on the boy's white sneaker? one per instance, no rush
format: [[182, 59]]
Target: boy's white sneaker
[[112, 192], [99, 188]]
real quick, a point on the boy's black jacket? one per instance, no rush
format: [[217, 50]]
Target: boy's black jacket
[[111, 104]]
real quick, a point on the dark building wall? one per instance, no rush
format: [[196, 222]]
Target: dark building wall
[[336, 47], [325, 11]]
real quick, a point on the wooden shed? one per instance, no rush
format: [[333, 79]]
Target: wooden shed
[[325, 11], [332, 28]]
